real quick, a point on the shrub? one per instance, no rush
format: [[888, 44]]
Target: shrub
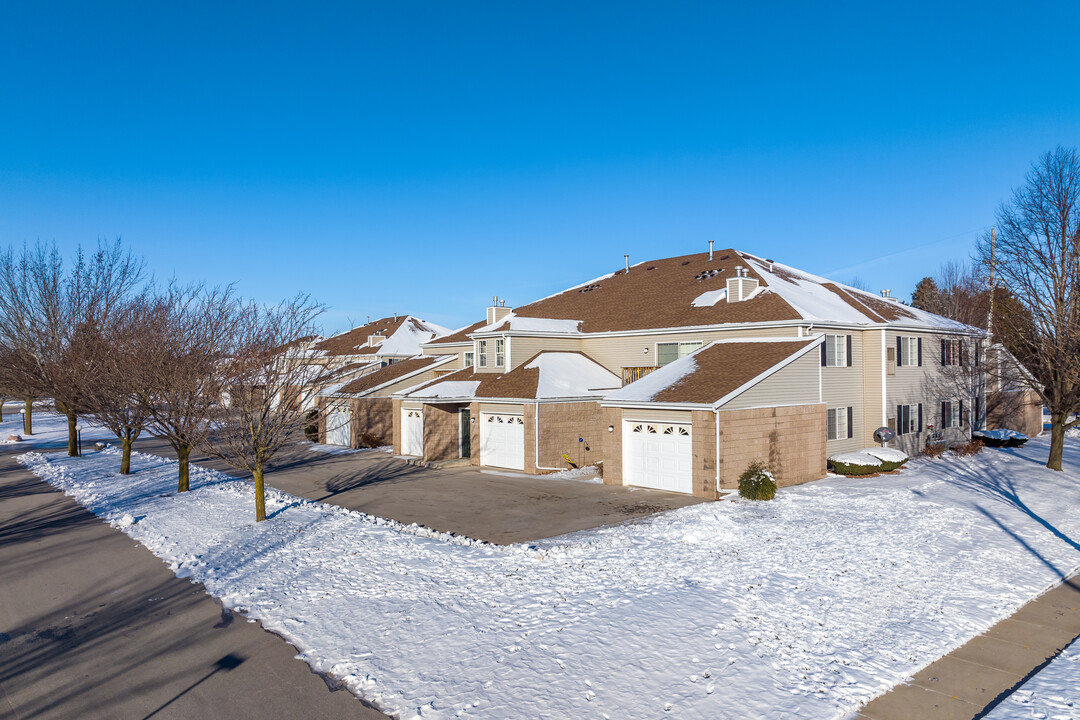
[[757, 483], [311, 430], [969, 448], [856, 463], [934, 451], [367, 440], [890, 458]]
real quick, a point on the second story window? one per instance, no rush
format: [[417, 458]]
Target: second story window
[[908, 351], [908, 419], [672, 351], [500, 357], [468, 359], [481, 348], [836, 351], [951, 352]]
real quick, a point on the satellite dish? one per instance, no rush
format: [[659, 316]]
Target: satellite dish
[[884, 434]]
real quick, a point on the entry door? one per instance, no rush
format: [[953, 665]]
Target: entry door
[[502, 440], [412, 432], [338, 427], [658, 455], [465, 432]]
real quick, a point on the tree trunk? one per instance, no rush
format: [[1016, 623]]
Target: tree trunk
[[73, 446], [260, 495], [1057, 440], [28, 417], [2, 399], [125, 457], [182, 454]]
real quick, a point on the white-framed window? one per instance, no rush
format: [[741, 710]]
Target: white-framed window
[[481, 353], [839, 423], [950, 414], [672, 351], [836, 351], [908, 419], [950, 352], [500, 357], [908, 351], [468, 359]]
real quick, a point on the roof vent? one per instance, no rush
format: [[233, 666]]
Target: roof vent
[[710, 250], [626, 259], [497, 311]]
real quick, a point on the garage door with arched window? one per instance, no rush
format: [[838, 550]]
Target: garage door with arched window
[[658, 455]]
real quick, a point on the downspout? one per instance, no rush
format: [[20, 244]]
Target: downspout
[[536, 441], [716, 413]]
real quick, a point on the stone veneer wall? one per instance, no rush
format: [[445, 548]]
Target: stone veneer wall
[[372, 416], [561, 424], [789, 440], [441, 432], [1021, 411]]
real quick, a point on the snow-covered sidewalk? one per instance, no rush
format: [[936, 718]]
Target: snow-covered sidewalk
[[1053, 693], [802, 607]]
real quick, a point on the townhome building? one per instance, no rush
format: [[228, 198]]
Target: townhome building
[[677, 373]]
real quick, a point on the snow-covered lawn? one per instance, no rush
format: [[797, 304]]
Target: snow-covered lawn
[[1054, 693], [802, 607], [50, 430]]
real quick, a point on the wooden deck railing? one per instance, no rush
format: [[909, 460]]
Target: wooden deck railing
[[631, 374]]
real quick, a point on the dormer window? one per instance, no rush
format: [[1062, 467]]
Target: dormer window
[[468, 359], [500, 357], [482, 353]]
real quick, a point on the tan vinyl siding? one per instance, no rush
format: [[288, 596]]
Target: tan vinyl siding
[[671, 416], [407, 383], [872, 416], [843, 387], [502, 408], [796, 384], [615, 353], [524, 348]]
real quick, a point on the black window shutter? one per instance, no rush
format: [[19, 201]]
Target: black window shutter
[[944, 420], [823, 356], [850, 432], [942, 352], [920, 419], [899, 350], [901, 426], [962, 413], [920, 351], [849, 351]]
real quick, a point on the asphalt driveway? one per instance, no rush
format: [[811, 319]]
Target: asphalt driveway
[[500, 507]]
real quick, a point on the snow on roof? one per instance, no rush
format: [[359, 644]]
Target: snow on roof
[[447, 389], [532, 324], [648, 387], [570, 374], [406, 340]]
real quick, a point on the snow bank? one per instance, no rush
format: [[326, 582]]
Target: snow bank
[[803, 607], [587, 474], [856, 458], [1002, 434], [1053, 693], [885, 454]]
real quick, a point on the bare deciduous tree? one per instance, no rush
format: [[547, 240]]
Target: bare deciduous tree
[[51, 315], [267, 389], [1038, 261]]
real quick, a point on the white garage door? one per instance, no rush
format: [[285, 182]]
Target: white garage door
[[502, 440], [337, 427], [658, 455], [412, 432]]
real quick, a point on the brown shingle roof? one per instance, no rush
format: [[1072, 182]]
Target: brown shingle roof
[[461, 336], [354, 342], [389, 373], [658, 294], [719, 369]]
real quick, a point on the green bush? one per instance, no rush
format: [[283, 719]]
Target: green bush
[[841, 468], [756, 483]]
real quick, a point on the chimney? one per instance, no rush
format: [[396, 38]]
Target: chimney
[[626, 259], [497, 311], [885, 293], [741, 286], [710, 250]]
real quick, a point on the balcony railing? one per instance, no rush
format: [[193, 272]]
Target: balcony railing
[[632, 374]]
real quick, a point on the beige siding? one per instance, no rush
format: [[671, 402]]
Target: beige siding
[[796, 384], [873, 415], [501, 408], [842, 387], [524, 348], [672, 416], [615, 353]]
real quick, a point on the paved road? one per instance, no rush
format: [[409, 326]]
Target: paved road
[[94, 626], [499, 508]]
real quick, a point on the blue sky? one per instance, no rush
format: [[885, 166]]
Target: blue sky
[[422, 157]]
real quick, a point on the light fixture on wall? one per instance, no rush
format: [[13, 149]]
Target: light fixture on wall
[[646, 351], [611, 428]]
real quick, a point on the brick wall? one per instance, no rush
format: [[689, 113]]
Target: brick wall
[[396, 417], [612, 417], [441, 432], [372, 416], [320, 405], [561, 424], [703, 442], [474, 436], [789, 440]]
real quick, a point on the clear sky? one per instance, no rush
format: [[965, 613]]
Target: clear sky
[[420, 157]]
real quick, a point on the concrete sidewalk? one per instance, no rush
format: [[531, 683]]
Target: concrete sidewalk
[[92, 625], [500, 507], [974, 678]]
